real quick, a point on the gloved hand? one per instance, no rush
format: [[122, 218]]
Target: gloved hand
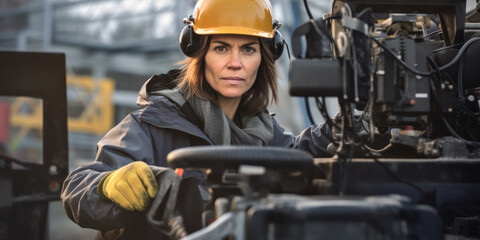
[[132, 186]]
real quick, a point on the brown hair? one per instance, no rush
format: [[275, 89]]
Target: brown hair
[[192, 79]]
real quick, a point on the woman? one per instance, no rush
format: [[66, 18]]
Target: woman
[[219, 97]]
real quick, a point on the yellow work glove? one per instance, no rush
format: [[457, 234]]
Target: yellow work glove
[[132, 187]]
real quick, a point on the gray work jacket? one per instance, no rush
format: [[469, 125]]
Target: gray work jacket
[[148, 135]]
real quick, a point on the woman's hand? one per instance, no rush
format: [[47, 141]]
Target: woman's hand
[[132, 187]]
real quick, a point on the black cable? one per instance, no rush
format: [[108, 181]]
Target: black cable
[[436, 98], [455, 134], [400, 60], [307, 105], [447, 47], [309, 113], [442, 68], [305, 3], [351, 110], [468, 112], [345, 110], [310, 117], [460, 80], [362, 117], [346, 131], [322, 108], [320, 30], [459, 86], [444, 120], [459, 91], [460, 53], [432, 33], [438, 72], [392, 175], [364, 128], [288, 50]]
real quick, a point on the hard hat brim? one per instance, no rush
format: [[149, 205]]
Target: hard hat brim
[[233, 30]]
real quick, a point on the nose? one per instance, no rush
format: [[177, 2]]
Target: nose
[[235, 62]]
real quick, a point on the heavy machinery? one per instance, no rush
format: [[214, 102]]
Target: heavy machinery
[[406, 141]]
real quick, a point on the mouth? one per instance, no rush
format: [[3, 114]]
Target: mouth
[[233, 80]]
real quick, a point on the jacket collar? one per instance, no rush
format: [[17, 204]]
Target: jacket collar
[[156, 83], [162, 113]]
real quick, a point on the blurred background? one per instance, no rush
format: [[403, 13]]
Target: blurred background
[[112, 47]]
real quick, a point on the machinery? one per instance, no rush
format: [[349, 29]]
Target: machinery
[[405, 142], [407, 66], [31, 173]]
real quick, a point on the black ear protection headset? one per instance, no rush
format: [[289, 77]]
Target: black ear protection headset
[[189, 40]]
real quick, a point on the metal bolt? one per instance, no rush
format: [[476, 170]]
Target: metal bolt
[[470, 98], [450, 110], [450, 87]]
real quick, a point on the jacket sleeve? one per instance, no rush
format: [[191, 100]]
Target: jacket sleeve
[[311, 139], [125, 143]]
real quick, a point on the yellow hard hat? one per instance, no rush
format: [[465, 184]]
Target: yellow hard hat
[[246, 17]]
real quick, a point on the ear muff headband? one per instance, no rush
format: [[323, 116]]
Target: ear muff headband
[[189, 42]]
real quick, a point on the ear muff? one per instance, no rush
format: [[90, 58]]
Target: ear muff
[[189, 41], [276, 44]]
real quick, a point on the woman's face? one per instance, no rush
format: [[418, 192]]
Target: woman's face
[[231, 64]]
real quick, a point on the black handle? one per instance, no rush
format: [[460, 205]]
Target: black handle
[[223, 157]]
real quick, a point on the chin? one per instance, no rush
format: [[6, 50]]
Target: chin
[[232, 94]]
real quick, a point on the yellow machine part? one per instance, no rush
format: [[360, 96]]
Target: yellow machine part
[[89, 102]]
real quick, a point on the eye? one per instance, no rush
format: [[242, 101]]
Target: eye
[[220, 49], [249, 50]]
